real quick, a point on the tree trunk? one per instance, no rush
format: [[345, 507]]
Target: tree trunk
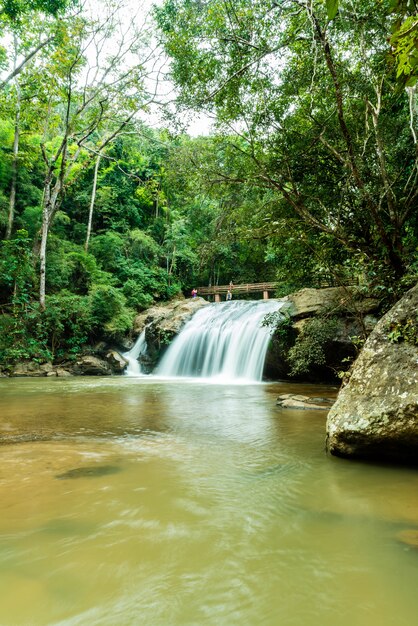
[[50, 202], [42, 257], [12, 198], [92, 201]]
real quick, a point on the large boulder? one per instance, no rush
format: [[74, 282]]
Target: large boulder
[[348, 307], [376, 413], [117, 362], [89, 365], [31, 368], [347, 300]]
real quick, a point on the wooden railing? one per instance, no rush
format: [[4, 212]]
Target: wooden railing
[[243, 288], [264, 288]]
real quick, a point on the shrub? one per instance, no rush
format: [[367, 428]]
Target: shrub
[[66, 323], [136, 298], [308, 350], [106, 302], [120, 324]]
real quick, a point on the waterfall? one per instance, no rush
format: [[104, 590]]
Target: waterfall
[[224, 340], [134, 367]]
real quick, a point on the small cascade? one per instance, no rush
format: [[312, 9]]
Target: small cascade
[[134, 367], [224, 340]]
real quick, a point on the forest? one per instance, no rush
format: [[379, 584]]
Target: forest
[[108, 203]]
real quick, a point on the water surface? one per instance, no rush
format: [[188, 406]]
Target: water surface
[[142, 502]]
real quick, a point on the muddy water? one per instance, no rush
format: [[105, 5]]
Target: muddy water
[[138, 502]]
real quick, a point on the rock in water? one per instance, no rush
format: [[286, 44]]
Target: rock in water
[[409, 537], [94, 471], [293, 401], [376, 413], [92, 366]]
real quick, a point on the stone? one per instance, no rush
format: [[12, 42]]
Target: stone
[[62, 373], [95, 471], [375, 415], [347, 300], [347, 305], [116, 361], [409, 537], [295, 401], [32, 368], [89, 365]]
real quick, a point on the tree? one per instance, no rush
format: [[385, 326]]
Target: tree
[[315, 110], [14, 14], [79, 110], [404, 39], [14, 10]]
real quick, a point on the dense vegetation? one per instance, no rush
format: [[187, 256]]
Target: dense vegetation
[[310, 174]]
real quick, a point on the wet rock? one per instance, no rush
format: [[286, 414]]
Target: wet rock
[[409, 537], [31, 368], [347, 306], [294, 401], [308, 302], [376, 413], [62, 373], [91, 366], [116, 361], [94, 471]]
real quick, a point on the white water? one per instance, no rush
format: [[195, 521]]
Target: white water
[[140, 347], [223, 340]]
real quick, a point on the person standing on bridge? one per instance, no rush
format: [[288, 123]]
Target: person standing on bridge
[[229, 295], [231, 285], [194, 293]]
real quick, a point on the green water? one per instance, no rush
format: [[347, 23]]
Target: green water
[[136, 502]]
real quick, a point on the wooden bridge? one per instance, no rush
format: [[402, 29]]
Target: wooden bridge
[[265, 288], [219, 290]]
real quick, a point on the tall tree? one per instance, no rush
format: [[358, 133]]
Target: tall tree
[[315, 106], [88, 104]]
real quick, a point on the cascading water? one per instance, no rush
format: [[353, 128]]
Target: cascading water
[[223, 340], [134, 367]]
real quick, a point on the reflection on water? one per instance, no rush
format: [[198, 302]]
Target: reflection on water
[[143, 502]]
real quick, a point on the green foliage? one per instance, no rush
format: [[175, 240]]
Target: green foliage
[[136, 297], [308, 350], [16, 271], [119, 325], [404, 331], [320, 146], [65, 325], [109, 314], [309, 188], [16, 9], [108, 250], [332, 8], [106, 303]]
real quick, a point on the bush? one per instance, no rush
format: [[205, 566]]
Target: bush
[[106, 302], [136, 298], [109, 311], [66, 323], [119, 325], [308, 350]]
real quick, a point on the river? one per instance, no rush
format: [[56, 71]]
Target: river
[[138, 501]]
